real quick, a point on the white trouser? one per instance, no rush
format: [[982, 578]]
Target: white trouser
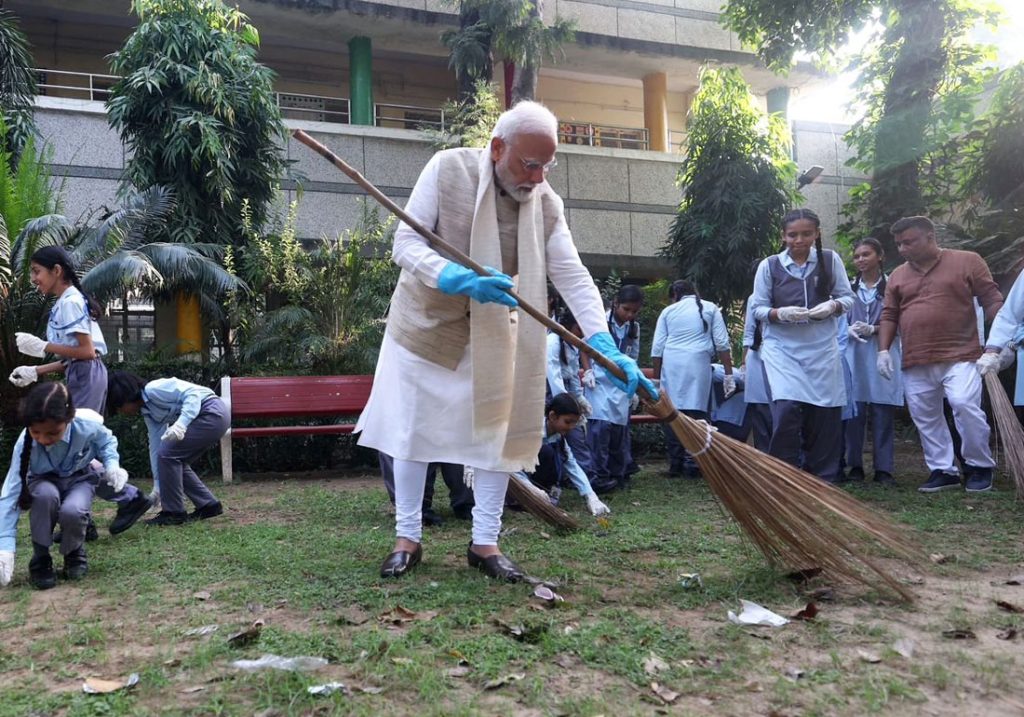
[[960, 383], [488, 493]]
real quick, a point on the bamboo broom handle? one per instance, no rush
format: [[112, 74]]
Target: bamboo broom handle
[[439, 243]]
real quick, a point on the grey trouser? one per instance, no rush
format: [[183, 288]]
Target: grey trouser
[[760, 415], [67, 500], [808, 436], [176, 477], [883, 418]]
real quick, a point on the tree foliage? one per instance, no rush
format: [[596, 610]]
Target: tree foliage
[[737, 181], [197, 112], [17, 86], [468, 123]]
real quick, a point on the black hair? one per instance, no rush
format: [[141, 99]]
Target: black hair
[[877, 246], [758, 333], [917, 222], [567, 321], [46, 402], [555, 302], [122, 387], [51, 256], [824, 285], [628, 294], [563, 404], [681, 288]]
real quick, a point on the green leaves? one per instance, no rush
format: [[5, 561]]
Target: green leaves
[[17, 87]]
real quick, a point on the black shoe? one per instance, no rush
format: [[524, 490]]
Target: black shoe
[[979, 480], [856, 474], [129, 513], [400, 562], [495, 566], [207, 511], [75, 564], [884, 478], [91, 534], [604, 487], [166, 517], [431, 519], [40, 568], [463, 512], [940, 480]]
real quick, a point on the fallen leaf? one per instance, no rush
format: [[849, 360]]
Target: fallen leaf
[[904, 647], [753, 686], [1007, 634], [1008, 606], [604, 522], [959, 634], [654, 664], [329, 688], [803, 575], [636, 503], [913, 580], [664, 693], [247, 636], [98, 686], [254, 607], [280, 603], [759, 635], [809, 612], [794, 673], [501, 681], [200, 631], [460, 671], [939, 558], [192, 690], [867, 656], [202, 595], [173, 662], [687, 664], [565, 661], [371, 689], [521, 631], [401, 660], [543, 592], [399, 615], [822, 594], [352, 616], [545, 535], [458, 656]]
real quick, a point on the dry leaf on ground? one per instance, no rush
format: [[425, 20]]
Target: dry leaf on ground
[[654, 664], [664, 693], [247, 636]]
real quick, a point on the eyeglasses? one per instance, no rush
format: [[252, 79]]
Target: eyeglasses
[[532, 165]]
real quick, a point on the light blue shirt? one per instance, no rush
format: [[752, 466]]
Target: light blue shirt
[[569, 465], [563, 377], [610, 403], [70, 317], [166, 401], [1010, 319], [83, 441], [687, 349]]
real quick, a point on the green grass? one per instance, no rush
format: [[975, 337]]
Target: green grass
[[299, 554]]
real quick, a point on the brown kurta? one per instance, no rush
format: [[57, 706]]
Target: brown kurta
[[934, 310]]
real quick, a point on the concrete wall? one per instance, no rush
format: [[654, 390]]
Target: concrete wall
[[822, 144]]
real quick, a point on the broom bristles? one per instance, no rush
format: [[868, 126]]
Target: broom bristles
[[537, 503], [795, 519], [1008, 430]]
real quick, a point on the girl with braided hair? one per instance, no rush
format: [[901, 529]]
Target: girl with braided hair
[[57, 463], [563, 374], [689, 334], [798, 294]]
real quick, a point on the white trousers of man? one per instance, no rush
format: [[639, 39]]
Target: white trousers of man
[[960, 383], [488, 493]]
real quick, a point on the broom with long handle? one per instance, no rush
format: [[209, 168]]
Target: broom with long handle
[[1008, 429], [794, 519]]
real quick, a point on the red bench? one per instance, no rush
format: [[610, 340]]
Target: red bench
[[297, 397], [289, 397]]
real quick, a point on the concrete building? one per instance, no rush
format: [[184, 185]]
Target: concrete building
[[362, 76]]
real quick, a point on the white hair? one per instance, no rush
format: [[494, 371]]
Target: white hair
[[526, 117]]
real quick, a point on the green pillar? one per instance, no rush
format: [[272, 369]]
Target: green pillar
[[778, 101], [360, 74]]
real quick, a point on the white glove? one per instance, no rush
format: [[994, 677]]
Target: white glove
[[585, 406], [595, 505], [988, 363], [634, 402], [117, 478], [589, 380], [791, 314], [7, 566], [468, 477], [864, 329], [23, 376], [729, 384], [824, 310], [854, 336], [30, 345], [175, 432], [1007, 355], [884, 365]]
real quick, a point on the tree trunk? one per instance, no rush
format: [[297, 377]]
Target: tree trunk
[[524, 85], [900, 134]]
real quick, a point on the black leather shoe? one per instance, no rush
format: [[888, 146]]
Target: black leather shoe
[[207, 511], [400, 562], [129, 513], [431, 519], [495, 566], [40, 568], [166, 517], [75, 564]]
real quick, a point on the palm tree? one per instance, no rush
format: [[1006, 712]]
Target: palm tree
[[17, 86]]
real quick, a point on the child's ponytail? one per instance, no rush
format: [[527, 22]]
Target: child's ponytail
[[46, 402], [25, 499]]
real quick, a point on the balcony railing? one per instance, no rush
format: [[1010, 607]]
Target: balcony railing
[[319, 108]]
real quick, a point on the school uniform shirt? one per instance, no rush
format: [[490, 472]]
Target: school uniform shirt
[[610, 403], [1008, 328], [570, 467], [755, 382], [802, 360], [686, 350], [84, 440], [843, 340], [868, 384], [563, 377], [70, 317], [166, 401]]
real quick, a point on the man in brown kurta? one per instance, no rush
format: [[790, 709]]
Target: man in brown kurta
[[930, 300]]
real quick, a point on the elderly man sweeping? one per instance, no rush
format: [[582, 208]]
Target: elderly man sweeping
[[460, 378]]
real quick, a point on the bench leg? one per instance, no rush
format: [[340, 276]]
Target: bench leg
[[227, 472]]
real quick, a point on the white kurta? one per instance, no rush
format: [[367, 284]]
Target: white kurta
[[686, 350], [420, 411], [1008, 328]]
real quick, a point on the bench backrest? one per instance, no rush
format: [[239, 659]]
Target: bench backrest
[[284, 396]]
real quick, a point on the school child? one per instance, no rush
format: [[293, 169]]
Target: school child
[[755, 381], [729, 414], [563, 376], [53, 475], [608, 425], [876, 398], [798, 294], [689, 334], [74, 336], [183, 420], [556, 462]]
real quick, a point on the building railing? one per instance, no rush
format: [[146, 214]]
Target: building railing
[[320, 108]]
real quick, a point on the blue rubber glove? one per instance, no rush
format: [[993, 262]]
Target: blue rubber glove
[[634, 377], [457, 279]]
